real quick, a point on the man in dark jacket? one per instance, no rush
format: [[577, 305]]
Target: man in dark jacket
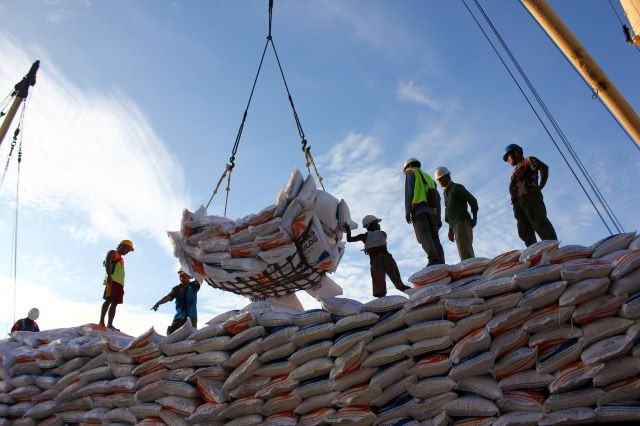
[[28, 323], [456, 214], [526, 195], [422, 208]]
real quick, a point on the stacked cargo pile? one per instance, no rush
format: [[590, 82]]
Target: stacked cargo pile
[[285, 247], [547, 335]]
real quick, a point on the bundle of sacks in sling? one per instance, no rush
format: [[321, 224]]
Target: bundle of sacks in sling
[[223, 250], [547, 335]]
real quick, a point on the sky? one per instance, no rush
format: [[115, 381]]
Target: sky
[[137, 106]]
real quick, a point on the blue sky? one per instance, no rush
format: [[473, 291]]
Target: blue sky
[[138, 103]]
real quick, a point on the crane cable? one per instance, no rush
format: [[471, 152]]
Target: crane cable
[[306, 149], [14, 141], [13, 267], [550, 117]]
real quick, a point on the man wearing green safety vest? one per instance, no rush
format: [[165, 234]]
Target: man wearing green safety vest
[[114, 281], [422, 208]]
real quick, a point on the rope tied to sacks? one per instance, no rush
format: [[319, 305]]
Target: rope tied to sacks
[[306, 149]]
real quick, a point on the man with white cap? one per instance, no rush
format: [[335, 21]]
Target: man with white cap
[[186, 297], [28, 323], [381, 261], [422, 208], [456, 214]]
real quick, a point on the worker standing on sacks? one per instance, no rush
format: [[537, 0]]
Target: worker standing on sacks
[[114, 281], [382, 263], [526, 195], [29, 323], [456, 214], [186, 297], [422, 208]]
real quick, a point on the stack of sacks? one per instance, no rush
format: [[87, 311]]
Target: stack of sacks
[[75, 375], [548, 335], [305, 221]]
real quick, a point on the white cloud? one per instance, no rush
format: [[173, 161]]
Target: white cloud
[[409, 91], [57, 310], [92, 157], [59, 16]]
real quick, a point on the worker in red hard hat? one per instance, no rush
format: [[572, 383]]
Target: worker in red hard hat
[[382, 263], [186, 297], [114, 281], [526, 195], [422, 208]]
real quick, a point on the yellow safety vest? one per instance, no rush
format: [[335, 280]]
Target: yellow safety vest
[[419, 189], [118, 269]]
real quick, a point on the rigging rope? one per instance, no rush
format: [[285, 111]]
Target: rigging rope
[[551, 118], [14, 246], [537, 115], [310, 162], [16, 133]]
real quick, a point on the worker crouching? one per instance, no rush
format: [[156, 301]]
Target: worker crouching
[[382, 263]]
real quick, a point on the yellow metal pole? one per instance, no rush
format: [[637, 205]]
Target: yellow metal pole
[[584, 63]]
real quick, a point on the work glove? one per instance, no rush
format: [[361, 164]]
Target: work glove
[[474, 221], [408, 217], [155, 308], [451, 236]]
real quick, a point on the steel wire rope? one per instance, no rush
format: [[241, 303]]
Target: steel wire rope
[[14, 141], [14, 252], [576, 158], [305, 148], [231, 164], [538, 117]]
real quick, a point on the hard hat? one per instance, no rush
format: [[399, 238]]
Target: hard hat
[[509, 148], [441, 171], [409, 161], [369, 219], [127, 243], [34, 314]]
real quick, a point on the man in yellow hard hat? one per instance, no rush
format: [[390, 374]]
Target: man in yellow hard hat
[[114, 281]]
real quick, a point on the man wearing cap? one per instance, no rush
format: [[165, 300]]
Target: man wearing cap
[[422, 208], [114, 281], [526, 195], [28, 323], [186, 297], [456, 214], [381, 261]]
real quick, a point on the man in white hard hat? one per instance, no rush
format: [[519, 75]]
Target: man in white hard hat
[[186, 297], [456, 214], [381, 261], [28, 323], [422, 208]]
